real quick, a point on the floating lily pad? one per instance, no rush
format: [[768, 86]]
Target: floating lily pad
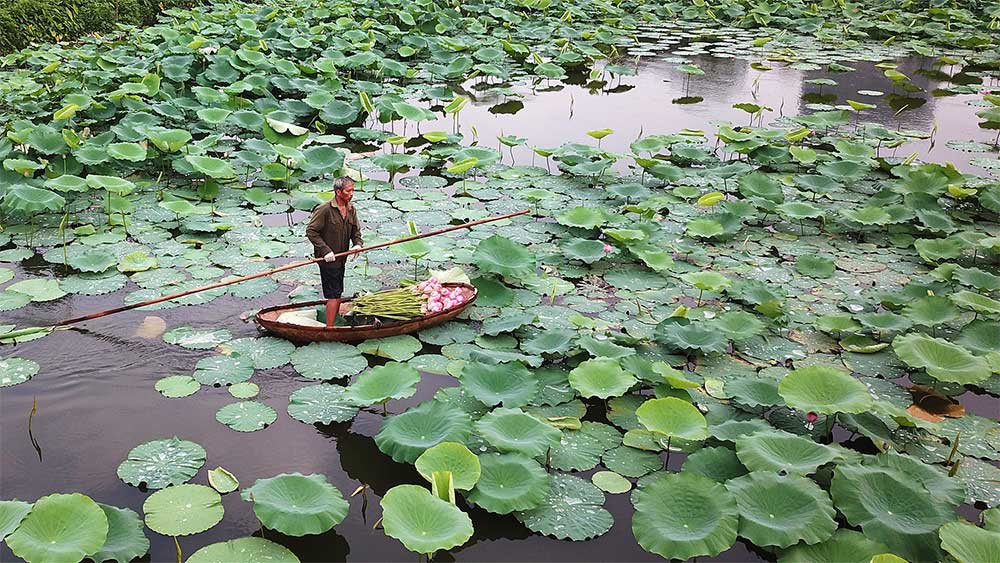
[[245, 390], [783, 451], [942, 359], [968, 543], [12, 512], [246, 416], [405, 436], [14, 370], [222, 370], [601, 377], [296, 504], [399, 348], [393, 380], [62, 528], [251, 549], [573, 509], [264, 353], [423, 522], [824, 390], [782, 510], [195, 339], [611, 482], [328, 360], [183, 510], [510, 384], [126, 537], [454, 458], [176, 386], [509, 482], [222, 480], [321, 403], [512, 430], [845, 546], [160, 463]]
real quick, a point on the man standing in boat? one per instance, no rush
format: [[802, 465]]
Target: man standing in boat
[[333, 227]]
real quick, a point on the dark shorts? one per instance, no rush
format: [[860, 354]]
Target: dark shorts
[[332, 275]]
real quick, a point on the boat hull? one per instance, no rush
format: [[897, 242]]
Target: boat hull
[[267, 319]]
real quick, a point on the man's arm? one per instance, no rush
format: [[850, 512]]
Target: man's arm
[[315, 229], [356, 235]]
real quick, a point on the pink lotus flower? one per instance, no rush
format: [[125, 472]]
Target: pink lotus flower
[[607, 248], [811, 419], [984, 91]]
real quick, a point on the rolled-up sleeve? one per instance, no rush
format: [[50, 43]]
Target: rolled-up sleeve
[[314, 232]]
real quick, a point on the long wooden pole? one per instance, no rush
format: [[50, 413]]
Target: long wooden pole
[[468, 225]]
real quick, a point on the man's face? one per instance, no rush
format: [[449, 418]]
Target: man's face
[[344, 196]]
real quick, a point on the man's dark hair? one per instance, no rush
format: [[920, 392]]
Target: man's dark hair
[[340, 183]]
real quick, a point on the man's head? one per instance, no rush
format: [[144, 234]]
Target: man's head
[[343, 189]]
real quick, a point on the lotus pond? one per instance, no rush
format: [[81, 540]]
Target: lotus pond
[[754, 313]]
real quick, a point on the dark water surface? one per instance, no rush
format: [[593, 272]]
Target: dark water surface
[[95, 395]]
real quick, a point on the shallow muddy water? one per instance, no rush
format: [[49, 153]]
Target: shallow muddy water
[[95, 397]]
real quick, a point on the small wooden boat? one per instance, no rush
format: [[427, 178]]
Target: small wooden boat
[[268, 319]]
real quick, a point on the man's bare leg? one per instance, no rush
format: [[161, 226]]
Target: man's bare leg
[[332, 310]]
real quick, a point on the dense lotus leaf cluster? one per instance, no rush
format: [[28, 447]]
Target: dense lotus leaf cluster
[[734, 295]]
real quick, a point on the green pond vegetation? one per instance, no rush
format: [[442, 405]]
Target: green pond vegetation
[[731, 297]]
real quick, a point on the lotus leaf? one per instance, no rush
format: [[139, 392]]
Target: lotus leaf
[[222, 480], [160, 463], [296, 504], [423, 522], [383, 383], [824, 390], [505, 257], [782, 510], [244, 390], [250, 549], [572, 510], [601, 377], [890, 508], [581, 450], [38, 289], [405, 436], [930, 476], [611, 482], [943, 360], [246, 416], [512, 430], [845, 546], [177, 386], [126, 539], [61, 528], [222, 370], [328, 360], [673, 417], [183, 510], [976, 302], [969, 544], [28, 200], [454, 458], [510, 384], [681, 515], [700, 336], [14, 370], [583, 217], [509, 482], [321, 403], [12, 512], [399, 348], [718, 464], [631, 462], [931, 311], [551, 341], [783, 451]]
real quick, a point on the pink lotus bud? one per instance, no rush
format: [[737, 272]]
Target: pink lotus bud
[[436, 308], [607, 248], [434, 280], [811, 417], [984, 91]]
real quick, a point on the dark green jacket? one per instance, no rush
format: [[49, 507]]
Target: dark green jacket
[[329, 231]]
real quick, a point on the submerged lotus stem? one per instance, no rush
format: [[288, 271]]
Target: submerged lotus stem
[[178, 546]]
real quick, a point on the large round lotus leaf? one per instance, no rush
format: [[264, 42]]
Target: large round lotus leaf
[[573, 510], [93, 260], [423, 522], [611, 482], [890, 508], [932, 310], [943, 360], [701, 337], [222, 370], [754, 391], [211, 166], [448, 333], [601, 377], [500, 255], [932, 477], [196, 339], [328, 360], [264, 353], [780, 510], [10, 300], [61, 528], [393, 380], [718, 464], [673, 417], [980, 337], [510, 383], [583, 217], [183, 510], [399, 348], [245, 390], [321, 403], [824, 390], [246, 416], [296, 504], [551, 341], [454, 458], [845, 546], [405, 436], [680, 516], [976, 302], [16, 370], [29, 200], [38, 289], [509, 482], [631, 462], [160, 463], [11, 514], [969, 544], [585, 250], [176, 386], [126, 538], [783, 451], [506, 322], [245, 550], [553, 386], [581, 450], [513, 430]]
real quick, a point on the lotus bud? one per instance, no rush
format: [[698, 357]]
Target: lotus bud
[[607, 248]]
